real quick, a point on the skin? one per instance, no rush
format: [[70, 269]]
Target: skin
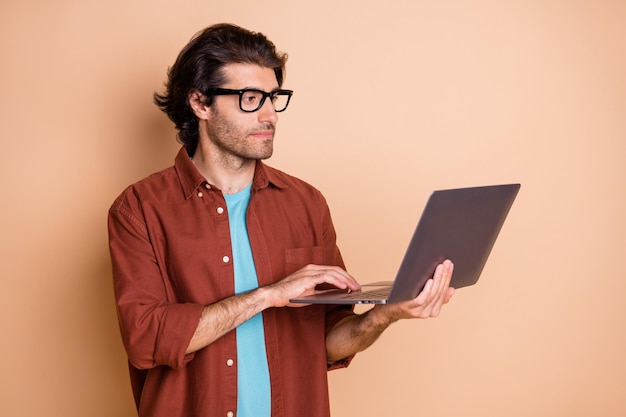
[[230, 143]]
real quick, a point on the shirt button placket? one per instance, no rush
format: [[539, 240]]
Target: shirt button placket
[[229, 363], [200, 193]]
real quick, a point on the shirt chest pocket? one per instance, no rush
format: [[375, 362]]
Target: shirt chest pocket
[[298, 258]]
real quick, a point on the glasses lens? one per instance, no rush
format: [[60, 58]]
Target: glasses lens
[[251, 100], [280, 101]]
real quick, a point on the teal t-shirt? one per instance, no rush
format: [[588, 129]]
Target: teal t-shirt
[[253, 378]]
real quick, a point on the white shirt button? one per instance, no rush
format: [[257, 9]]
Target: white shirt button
[[230, 362], [200, 194], [230, 414], [225, 259], [220, 210], [207, 186]]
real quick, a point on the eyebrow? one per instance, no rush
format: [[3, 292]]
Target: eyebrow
[[260, 89], [251, 87]]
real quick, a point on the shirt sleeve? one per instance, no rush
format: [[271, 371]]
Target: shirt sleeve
[[155, 329]]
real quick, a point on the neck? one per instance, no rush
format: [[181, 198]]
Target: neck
[[229, 173]]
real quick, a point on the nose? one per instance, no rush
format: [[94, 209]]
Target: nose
[[267, 112]]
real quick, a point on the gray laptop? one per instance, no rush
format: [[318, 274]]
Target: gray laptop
[[460, 224]]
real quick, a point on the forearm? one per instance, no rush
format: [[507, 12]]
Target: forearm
[[219, 318], [223, 316], [356, 333]]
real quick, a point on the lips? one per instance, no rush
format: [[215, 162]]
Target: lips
[[264, 134]]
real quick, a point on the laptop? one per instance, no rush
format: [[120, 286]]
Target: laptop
[[459, 224]]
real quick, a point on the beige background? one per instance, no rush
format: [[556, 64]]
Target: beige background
[[393, 99]]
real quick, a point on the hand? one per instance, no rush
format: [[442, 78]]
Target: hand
[[304, 281], [429, 301]]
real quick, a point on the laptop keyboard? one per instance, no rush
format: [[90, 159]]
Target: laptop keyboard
[[377, 294]]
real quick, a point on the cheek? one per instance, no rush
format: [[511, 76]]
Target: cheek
[[232, 126], [224, 130]]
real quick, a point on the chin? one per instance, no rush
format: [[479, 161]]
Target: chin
[[266, 155], [266, 152]]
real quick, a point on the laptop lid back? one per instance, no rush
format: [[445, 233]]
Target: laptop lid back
[[459, 224]]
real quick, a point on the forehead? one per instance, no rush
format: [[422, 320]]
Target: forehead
[[240, 76]]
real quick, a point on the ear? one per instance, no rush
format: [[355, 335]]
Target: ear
[[196, 101]]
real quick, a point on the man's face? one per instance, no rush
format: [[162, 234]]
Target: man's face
[[235, 134]]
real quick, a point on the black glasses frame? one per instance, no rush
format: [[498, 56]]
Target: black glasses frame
[[265, 95]]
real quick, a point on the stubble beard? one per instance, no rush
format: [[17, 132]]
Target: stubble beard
[[236, 146]]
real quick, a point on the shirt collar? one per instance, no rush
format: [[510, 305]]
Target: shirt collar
[[190, 178]]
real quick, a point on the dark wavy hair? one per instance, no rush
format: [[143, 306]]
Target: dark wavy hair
[[199, 66]]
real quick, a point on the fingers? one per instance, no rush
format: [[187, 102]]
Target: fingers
[[445, 277], [449, 295], [333, 275], [436, 292], [304, 281], [441, 283]]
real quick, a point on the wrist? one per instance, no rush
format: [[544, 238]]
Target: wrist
[[381, 316], [265, 296]]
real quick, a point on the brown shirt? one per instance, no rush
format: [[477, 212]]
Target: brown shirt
[[171, 253]]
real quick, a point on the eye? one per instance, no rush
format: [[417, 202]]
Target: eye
[[251, 97]]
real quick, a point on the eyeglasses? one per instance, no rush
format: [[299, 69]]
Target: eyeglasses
[[251, 100]]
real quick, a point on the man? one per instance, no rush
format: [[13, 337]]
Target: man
[[207, 254]]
